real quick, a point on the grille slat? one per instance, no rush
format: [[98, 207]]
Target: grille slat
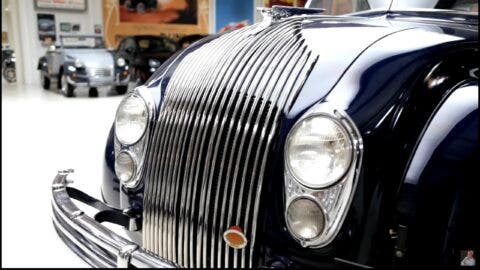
[[99, 72], [208, 157]]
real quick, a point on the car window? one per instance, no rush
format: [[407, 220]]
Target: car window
[[129, 43], [156, 45]]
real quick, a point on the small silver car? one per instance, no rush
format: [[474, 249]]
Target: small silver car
[[82, 60]]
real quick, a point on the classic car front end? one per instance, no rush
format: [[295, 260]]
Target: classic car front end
[[306, 140]]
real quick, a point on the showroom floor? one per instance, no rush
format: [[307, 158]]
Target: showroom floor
[[42, 132]]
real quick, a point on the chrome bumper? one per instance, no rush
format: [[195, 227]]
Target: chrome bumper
[[89, 239]]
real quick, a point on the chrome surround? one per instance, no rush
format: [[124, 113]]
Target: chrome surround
[[294, 128], [335, 199], [305, 197], [131, 183], [138, 149], [130, 95], [94, 243]]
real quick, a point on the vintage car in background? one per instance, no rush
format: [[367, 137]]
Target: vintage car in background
[[305, 141], [187, 40], [140, 6], [82, 61], [8, 65], [144, 54]]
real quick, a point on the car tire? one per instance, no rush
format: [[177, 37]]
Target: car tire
[[93, 92], [10, 75], [121, 89], [140, 8], [66, 88], [45, 81]]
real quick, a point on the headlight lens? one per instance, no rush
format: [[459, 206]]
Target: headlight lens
[[131, 119], [318, 151], [305, 218], [124, 167], [153, 63], [78, 63], [121, 62]]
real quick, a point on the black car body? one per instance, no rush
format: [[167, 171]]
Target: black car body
[[221, 149], [145, 54]]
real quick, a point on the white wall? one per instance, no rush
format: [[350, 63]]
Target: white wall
[[26, 23]]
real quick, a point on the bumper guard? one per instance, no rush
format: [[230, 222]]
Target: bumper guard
[[88, 238]]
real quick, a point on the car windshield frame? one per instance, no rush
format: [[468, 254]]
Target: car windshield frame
[[97, 45], [343, 7]]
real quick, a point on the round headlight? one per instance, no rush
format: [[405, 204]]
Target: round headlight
[[305, 219], [78, 63], [318, 151], [124, 167], [131, 119], [121, 62]]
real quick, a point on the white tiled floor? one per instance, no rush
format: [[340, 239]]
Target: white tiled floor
[[43, 131]]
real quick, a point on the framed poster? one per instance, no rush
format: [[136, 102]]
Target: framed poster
[[154, 17], [71, 5], [46, 27], [65, 27]]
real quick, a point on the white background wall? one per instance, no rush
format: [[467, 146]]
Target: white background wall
[[24, 17]]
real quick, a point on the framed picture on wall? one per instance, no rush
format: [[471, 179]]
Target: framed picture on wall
[[76, 27], [67, 5], [46, 27], [154, 17], [65, 27]]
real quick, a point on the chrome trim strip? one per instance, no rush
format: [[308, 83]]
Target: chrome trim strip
[[93, 242]]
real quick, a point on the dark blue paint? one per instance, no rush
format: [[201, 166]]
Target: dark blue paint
[[382, 79]]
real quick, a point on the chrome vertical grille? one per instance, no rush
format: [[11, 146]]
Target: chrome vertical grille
[[210, 146]]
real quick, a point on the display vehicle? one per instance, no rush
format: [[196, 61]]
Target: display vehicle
[[308, 140], [82, 61]]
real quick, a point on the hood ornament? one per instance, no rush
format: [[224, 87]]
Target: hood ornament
[[276, 13]]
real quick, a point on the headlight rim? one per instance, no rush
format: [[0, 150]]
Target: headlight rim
[[335, 119], [124, 143], [317, 204], [133, 181]]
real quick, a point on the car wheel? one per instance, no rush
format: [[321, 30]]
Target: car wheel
[[121, 89], [66, 88], [93, 92], [127, 4], [9, 74], [45, 81], [141, 8]]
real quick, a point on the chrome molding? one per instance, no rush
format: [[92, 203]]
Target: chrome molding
[[212, 139], [93, 242], [138, 150], [336, 198]]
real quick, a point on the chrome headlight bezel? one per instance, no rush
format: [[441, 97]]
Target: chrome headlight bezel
[[138, 136], [138, 150], [295, 129], [334, 199]]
